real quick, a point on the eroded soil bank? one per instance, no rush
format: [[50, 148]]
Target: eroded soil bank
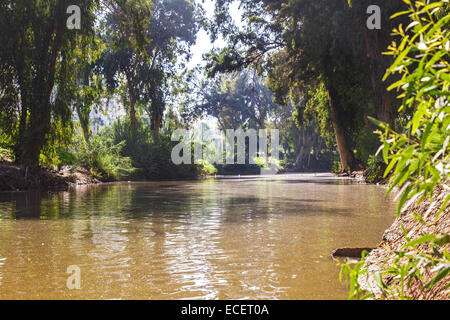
[[18, 178], [393, 240]]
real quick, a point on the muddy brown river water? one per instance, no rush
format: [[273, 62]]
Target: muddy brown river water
[[247, 238]]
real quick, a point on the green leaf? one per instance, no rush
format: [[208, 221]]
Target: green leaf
[[404, 198], [401, 13], [390, 167], [379, 280], [441, 275], [442, 241], [377, 122], [385, 152], [444, 205], [424, 239]]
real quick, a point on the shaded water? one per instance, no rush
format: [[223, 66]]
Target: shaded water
[[248, 238]]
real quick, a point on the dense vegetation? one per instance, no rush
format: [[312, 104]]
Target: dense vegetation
[[108, 97], [120, 83], [418, 156], [57, 84], [320, 57]]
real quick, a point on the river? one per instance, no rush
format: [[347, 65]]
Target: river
[[235, 238]]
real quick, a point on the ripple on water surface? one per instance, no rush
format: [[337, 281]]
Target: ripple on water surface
[[247, 238]]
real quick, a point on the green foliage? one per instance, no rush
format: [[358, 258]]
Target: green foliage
[[102, 157], [207, 168], [367, 144], [36, 57], [315, 111], [60, 135], [375, 169], [150, 154], [237, 100], [418, 159], [408, 265], [353, 276], [336, 164], [319, 56], [48, 72], [261, 162], [5, 154], [146, 41], [269, 163]]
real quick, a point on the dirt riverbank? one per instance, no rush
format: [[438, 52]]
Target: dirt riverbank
[[18, 178], [393, 240]]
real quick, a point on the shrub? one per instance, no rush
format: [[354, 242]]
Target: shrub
[[149, 153], [375, 169], [102, 157], [418, 159], [6, 155]]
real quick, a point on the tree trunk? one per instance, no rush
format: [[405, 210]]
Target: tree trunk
[[306, 143], [39, 108], [158, 124], [132, 105], [37, 95], [348, 161], [375, 45], [385, 113], [22, 130], [300, 161], [84, 124], [35, 136]]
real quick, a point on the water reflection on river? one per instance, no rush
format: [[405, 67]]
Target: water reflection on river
[[248, 238]]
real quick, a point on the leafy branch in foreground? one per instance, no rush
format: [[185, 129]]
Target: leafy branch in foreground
[[418, 158]]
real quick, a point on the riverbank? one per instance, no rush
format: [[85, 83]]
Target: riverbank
[[14, 177], [393, 240], [18, 178]]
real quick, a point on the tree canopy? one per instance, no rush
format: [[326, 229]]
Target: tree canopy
[[48, 71], [309, 46]]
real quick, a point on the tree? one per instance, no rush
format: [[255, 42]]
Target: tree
[[124, 34], [418, 161], [304, 44], [35, 61], [89, 89], [239, 100], [145, 42]]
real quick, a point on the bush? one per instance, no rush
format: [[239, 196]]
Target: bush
[[375, 169], [207, 168], [149, 153], [102, 157], [6, 155], [418, 159]]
